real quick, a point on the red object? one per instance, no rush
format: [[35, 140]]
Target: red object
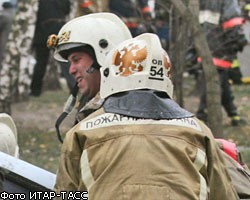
[[219, 63], [86, 4], [229, 148], [233, 22], [131, 24], [222, 63], [146, 9]]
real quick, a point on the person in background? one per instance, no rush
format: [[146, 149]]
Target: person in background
[[141, 144], [137, 15], [51, 17], [85, 7], [225, 39], [162, 21]]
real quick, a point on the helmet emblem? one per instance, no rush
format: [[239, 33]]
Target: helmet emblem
[[64, 37], [52, 41], [129, 59]]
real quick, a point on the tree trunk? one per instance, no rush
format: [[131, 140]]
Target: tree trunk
[[178, 47], [211, 75], [17, 62]]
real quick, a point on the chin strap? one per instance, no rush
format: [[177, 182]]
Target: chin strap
[[93, 67], [69, 105]]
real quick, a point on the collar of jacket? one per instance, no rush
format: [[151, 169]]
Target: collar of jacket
[[94, 103], [147, 104], [88, 106]]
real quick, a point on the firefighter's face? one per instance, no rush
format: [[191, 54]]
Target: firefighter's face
[[88, 83]]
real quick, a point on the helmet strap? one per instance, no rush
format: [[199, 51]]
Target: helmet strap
[[69, 105], [93, 67]]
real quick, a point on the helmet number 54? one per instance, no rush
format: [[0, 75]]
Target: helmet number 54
[[156, 74]]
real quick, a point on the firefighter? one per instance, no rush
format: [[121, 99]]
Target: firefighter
[[221, 22], [137, 15], [85, 49], [91, 6], [141, 144]]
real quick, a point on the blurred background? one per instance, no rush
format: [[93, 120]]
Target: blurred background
[[34, 87]]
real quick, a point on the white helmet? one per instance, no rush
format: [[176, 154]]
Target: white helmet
[[101, 31], [8, 135], [138, 63]]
